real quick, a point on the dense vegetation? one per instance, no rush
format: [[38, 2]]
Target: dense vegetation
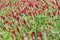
[[29, 19]]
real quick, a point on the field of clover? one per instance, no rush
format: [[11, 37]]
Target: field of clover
[[29, 19]]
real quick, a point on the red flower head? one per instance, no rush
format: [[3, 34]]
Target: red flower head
[[3, 28], [10, 23], [45, 30], [52, 6], [39, 34], [25, 32], [45, 6], [11, 12], [58, 7], [33, 12], [36, 5], [29, 13], [17, 29], [30, 4], [19, 23], [9, 29], [13, 32], [40, 11], [53, 2], [23, 1], [17, 13], [32, 34], [57, 2], [23, 11], [23, 21], [25, 8], [7, 14], [14, 16], [53, 13], [18, 8], [1, 17], [8, 4], [6, 21], [0, 7], [49, 23]]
